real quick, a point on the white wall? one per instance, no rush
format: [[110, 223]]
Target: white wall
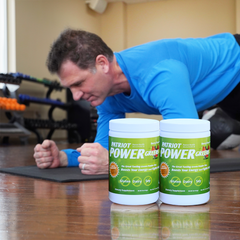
[[39, 22]]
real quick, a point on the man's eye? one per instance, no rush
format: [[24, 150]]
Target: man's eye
[[78, 84]]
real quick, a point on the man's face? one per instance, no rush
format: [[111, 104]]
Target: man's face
[[84, 84]]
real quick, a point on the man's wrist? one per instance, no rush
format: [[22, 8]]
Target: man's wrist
[[63, 159], [71, 157]]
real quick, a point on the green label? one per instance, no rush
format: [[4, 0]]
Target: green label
[[133, 165], [184, 166]]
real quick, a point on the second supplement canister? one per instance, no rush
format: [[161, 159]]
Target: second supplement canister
[[184, 161], [133, 161]]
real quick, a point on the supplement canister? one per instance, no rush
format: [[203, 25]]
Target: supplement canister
[[133, 161], [184, 161]]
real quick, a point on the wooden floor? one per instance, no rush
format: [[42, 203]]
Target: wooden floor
[[37, 209]]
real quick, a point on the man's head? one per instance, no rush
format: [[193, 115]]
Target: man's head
[[87, 66], [80, 47]]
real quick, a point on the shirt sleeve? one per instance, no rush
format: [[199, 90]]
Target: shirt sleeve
[[168, 89], [72, 156]]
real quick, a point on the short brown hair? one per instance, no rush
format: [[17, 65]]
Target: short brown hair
[[80, 47]]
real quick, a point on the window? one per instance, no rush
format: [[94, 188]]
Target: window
[[3, 37]]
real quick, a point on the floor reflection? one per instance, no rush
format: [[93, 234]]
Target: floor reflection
[[138, 222], [190, 222]]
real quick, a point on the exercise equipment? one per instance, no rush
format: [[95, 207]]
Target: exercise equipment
[[11, 104], [82, 127]]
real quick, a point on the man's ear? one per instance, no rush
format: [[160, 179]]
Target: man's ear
[[102, 63]]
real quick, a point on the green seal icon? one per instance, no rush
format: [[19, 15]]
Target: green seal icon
[[187, 182], [125, 181], [137, 181], [147, 181], [198, 181], [175, 181]]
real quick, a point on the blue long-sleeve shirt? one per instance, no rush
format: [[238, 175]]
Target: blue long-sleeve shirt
[[172, 77]]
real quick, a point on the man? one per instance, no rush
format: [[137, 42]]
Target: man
[[174, 77]]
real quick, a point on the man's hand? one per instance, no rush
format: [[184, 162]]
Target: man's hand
[[47, 155], [93, 159]]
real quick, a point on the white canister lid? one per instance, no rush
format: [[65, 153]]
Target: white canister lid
[[134, 125], [184, 125]]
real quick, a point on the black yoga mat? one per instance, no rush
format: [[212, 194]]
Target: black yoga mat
[[73, 174], [224, 164]]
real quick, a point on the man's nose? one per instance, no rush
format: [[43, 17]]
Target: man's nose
[[76, 94]]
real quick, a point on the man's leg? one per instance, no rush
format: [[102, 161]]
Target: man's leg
[[231, 103], [237, 37]]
